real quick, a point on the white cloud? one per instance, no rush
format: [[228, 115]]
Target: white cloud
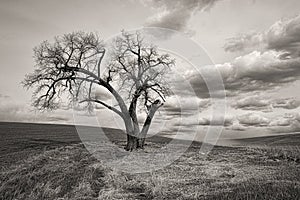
[[184, 105], [281, 122], [288, 103], [289, 122], [273, 63], [256, 71], [258, 102], [203, 121], [253, 119], [252, 103], [245, 42], [175, 14], [217, 120], [283, 36], [11, 110], [238, 127]]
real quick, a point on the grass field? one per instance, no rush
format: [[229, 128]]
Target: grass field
[[49, 162]]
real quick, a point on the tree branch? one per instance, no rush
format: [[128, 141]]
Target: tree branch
[[104, 104], [99, 62]]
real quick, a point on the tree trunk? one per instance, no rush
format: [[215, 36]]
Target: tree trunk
[[147, 123], [141, 143], [137, 140], [132, 143]]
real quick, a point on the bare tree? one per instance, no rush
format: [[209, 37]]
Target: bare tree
[[134, 76]]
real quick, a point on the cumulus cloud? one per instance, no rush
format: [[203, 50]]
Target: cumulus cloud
[[281, 122], [266, 104], [175, 14], [225, 121], [244, 42], [256, 71], [12, 112], [288, 103], [295, 121], [184, 106], [20, 112], [282, 36], [204, 121], [252, 103], [267, 67], [273, 62], [238, 127], [253, 119], [289, 122]]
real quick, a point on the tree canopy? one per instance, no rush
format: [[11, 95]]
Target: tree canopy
[[135, 74]]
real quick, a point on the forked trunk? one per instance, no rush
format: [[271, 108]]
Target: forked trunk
[[141, 143], [137, 140], [132, 143]]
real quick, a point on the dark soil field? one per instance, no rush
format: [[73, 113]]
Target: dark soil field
[[19, 140], [276, 140], [49, 162]]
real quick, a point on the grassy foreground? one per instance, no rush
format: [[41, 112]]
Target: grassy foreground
[[70, 172]]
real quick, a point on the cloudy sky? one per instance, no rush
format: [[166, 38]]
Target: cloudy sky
[[253, 44]]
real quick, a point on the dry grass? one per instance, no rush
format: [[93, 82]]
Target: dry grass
[[70, 172], [287, 153]]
